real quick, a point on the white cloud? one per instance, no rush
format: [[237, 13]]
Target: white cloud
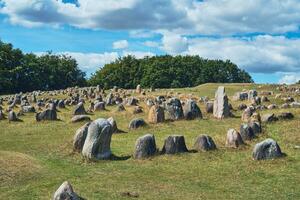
[[264, 54], [151, 44], [121, 44], [290, 78], [174, 43]]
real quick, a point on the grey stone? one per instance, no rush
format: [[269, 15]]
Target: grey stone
[[233, 139], [47, 114], [79, 109], [191, 110], [209, 107], [12, 117], [285, 115], [145, 147], [174, 144], [136, 123], [174, 108], [246, 132], [221, 109], [267, 149], [66, 192], [204, 143], [120, 108], [28, 109], [156, 114], [97, 142], [256, 127], [113, 123], [99, 106], [80, 136], [269, 118]]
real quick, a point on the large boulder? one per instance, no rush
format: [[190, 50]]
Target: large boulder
[[136, 123], [246, 132], [269, 118], [61, 104], [174, 144], [97, 142], [80, 118], [221, 108], [145, 147], [204, 143], [285, 115], [191, 110], [174, 108], [66, 192], [80, 136], [156, 114], [113, 123], [47, 114], [267, 149], [256, 127], [233, 139], [79, 109]]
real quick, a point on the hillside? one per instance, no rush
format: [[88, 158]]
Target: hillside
[[37, 157]]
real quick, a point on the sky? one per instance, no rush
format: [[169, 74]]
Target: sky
[[261, 37]]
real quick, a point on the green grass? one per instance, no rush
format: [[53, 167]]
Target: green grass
[[36, 157]]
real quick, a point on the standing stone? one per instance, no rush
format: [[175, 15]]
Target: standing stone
[[28, 109], [132, 101], [120, 108], [79, 109], [246, 116], [136, 123], [256, 127], [221, 108], [138, 89], [174, 109], [267, 149], [246, 132], [66, 192], [156, 114], [113, 124], [47, 114], [61, 104], [191, 110], [285, 115], [97, 142], [99, 106], [252, 94], [233, 139], [12, 117], [174, 144], [79, 137], [204, 143], [209, 107], [145, 147]]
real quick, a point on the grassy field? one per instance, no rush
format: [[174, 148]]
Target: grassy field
[[36, 157]]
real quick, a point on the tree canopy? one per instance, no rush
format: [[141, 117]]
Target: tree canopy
[[28, 72], [167, 72]]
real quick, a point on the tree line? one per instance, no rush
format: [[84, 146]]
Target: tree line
[[167, 72], [23, 72]]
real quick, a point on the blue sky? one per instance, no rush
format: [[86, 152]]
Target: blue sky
[[262, 38]]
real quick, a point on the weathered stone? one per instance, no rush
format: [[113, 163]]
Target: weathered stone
[[12, 117], [255, 117], [209, 107], [242, 106], [204, 143], [174, 144], [221, 108], [233, 139], [47, 114], [191, 110], [79, 137], [99, 106], [150, 103], [138, 89], [80, 118], [285, 105], [156, 114], [174, 108], [66, 192], [145, 147], [256, 127], [113, 124], [240, 96], [246, 132], [79, 109], [97, 142], [132, 101], [272, 106], [2, 116], [246, 115], [295, 105], [267, 149], [136, 123], [252, 94], [61, 104], [269, 118]]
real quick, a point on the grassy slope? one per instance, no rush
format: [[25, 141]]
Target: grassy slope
[[35, 158]]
